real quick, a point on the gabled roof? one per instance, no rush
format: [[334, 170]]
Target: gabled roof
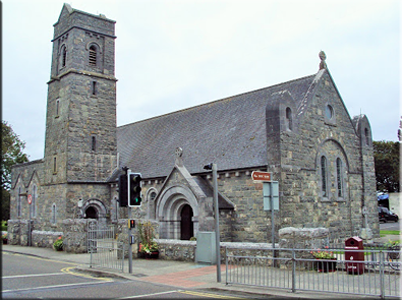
[[230, 132]]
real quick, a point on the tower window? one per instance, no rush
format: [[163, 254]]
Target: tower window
[[54, 165], [63, 56], [367, 136], [339, 177], [93, 87], [92, 56], [324, 185], [289, 118], [93, 144], [57, 107], [329, 112]]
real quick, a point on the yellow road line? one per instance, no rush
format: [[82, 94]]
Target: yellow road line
[[68, 271], [207, 295]]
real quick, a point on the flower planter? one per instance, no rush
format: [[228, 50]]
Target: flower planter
[[147, 255], [325, 266], [4, 241], [152, 255]]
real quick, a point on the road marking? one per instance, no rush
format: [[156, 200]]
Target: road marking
[[40, 258], [32, 275], [68, 271], [53, 286], [208, 295], [149, 295]]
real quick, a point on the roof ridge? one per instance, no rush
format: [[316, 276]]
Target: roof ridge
[[218, 100]]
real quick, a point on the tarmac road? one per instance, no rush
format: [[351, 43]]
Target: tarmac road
[[390, 226]]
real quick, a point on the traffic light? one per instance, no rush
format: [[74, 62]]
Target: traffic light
[[134, 189], [123, 190], [131, 223]]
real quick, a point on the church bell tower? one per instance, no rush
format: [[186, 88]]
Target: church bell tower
[[80, 144]]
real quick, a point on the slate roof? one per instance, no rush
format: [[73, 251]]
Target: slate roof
[[230, 132]]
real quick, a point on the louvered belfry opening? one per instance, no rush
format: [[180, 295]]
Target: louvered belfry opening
[[92, 56]]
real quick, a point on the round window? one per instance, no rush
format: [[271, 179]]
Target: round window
[[329, 112]]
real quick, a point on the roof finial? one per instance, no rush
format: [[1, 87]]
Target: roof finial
[[323, 57]]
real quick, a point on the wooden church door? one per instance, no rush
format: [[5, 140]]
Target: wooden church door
[[186, 223]]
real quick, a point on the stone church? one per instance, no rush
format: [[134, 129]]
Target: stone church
[[299, 130]]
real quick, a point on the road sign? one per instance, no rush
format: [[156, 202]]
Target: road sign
[[29, 199], [261, 176], [271, 192]]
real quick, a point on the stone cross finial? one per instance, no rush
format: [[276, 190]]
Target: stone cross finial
[[179, 153], [323, 57]]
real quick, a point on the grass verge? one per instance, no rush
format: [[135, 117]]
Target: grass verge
[[389, 232]]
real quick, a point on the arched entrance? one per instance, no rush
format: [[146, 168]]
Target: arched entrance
[[186, 223], [177, 213], [91, 213]]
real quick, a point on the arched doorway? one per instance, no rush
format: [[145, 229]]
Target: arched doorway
[[186, 223], [91, 213]]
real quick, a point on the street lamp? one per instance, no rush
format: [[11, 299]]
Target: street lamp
[[214, 169]]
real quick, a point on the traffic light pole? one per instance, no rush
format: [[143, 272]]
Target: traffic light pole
[[130, 247]]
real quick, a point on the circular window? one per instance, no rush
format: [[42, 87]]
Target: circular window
[[329, 112]]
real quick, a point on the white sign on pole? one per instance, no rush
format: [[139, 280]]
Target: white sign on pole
[[266, 188]]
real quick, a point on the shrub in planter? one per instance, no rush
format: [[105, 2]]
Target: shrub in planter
[[147, 247], [4, 238], [58, 244]]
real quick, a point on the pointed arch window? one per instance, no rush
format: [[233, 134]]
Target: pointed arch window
[[33, 204], [367, 136], [339, 177], [92, 56], [324, 179], [19, 203], [63, 56], [289, 120], [54, 213]]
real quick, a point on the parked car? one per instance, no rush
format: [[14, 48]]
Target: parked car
[[386, 215]]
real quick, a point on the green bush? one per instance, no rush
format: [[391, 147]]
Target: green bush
[[3, 225]]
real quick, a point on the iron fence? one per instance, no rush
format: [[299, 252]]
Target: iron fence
[[297, 269], [107, 254], [105, 251]]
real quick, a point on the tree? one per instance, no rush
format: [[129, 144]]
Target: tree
[[12, 153], [386, 159]]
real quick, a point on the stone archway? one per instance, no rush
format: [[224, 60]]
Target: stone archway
[[169, 209], [94, 209], [91, 213]]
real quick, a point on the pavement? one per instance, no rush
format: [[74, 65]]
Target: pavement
[[186, 275]]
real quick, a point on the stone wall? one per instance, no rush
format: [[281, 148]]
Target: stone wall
[[45, 239], [177, 250]]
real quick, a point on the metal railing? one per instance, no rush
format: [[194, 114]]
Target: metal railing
[[105, 251], [297, 269], [107, 254]]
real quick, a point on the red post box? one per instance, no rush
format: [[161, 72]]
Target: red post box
[[354, 260]]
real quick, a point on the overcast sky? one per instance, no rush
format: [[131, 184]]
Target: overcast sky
[[172, 55]]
